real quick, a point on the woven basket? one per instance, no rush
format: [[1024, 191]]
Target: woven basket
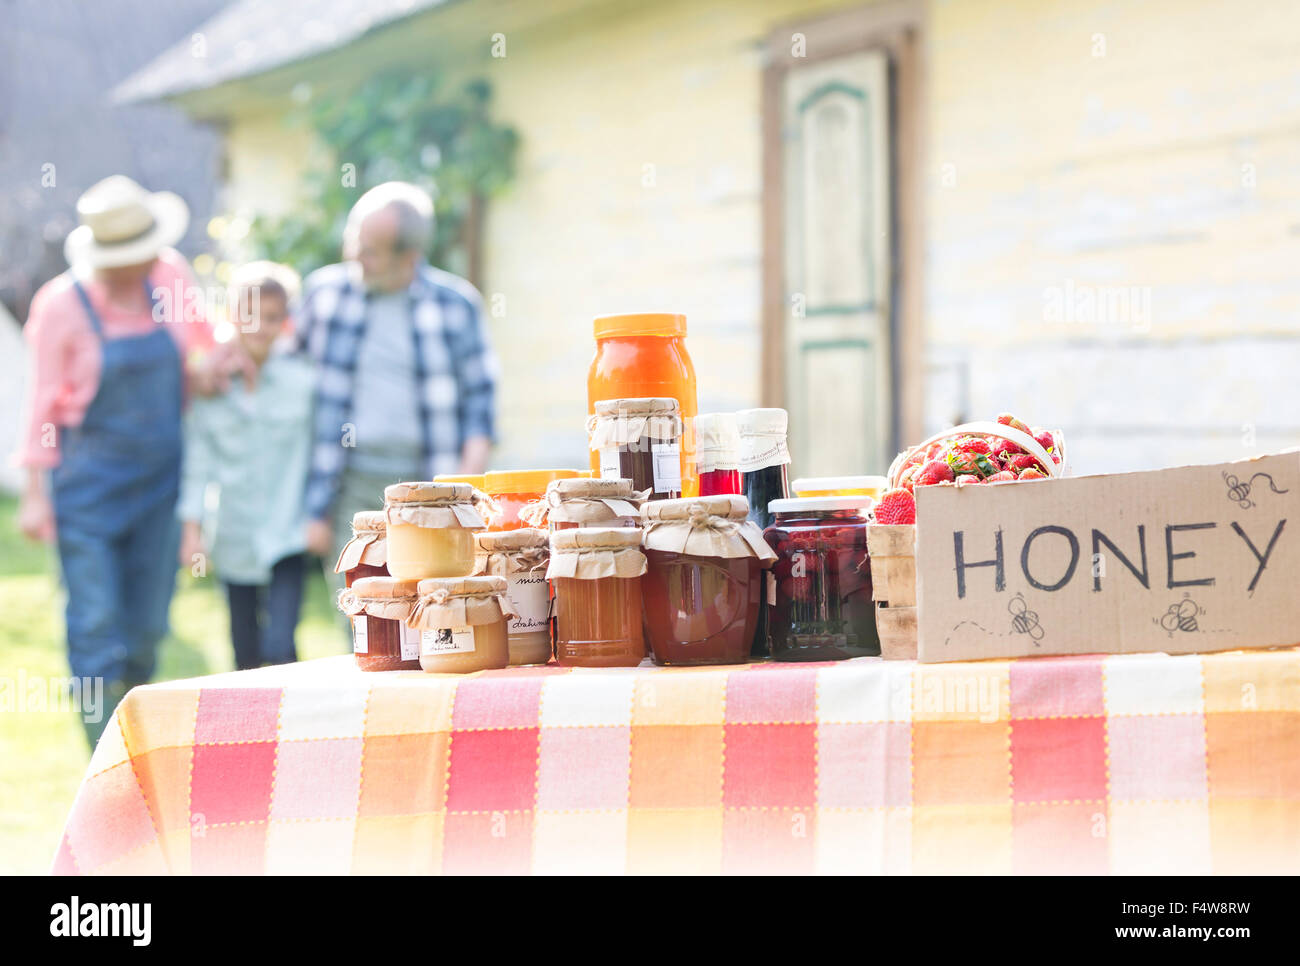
[[891, 548]]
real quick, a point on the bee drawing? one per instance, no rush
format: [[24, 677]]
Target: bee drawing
[[1024, 620], [1181, 616]]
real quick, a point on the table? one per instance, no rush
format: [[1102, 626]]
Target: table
[[1079, 765]]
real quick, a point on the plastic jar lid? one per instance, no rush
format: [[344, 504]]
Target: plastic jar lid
[[663, 324], [523, 481], [830, 484], [822, 503]]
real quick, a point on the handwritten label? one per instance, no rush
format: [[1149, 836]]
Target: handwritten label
[[609, 464], [360, 643], [530, 596], [447, 640], [410, 643]]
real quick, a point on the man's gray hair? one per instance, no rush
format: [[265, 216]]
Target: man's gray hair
[[414, 210]]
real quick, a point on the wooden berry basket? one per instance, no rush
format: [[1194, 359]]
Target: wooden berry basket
[[891, 548]]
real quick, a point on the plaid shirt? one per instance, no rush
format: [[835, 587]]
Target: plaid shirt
[[454, 366]]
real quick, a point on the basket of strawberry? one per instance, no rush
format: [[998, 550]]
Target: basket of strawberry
[[1005, 451]]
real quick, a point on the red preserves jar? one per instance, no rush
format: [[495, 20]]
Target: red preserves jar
[[593, 503], [366, 554], [596, 572], [819, 595], [703, 583], [717, 442], [379, 608]]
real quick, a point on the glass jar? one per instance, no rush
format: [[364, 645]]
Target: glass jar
[[819, 597], [703, 582], [462, 624], [639, 440], [717, 453], [596, 572], [520, 556], [593, 503], [764, 477], [366, 554], [644, 355], [378, 608], [430, 529], [513, 490]]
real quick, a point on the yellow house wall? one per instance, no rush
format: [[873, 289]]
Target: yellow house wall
[[1152, 148]]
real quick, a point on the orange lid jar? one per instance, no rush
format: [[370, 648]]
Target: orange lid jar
[[514, 489], [643, 355]]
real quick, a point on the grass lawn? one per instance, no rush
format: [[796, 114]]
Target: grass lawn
[[43, 753]]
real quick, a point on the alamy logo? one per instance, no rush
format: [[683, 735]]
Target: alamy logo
[[102, 919]]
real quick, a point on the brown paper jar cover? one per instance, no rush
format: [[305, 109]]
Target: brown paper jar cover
[[432, 505], [503, 552], [387, 598], [590, 553], [622, 422], [368, 545], [593, 501], [460, 602], [705, 526]]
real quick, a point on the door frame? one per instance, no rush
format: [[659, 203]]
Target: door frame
[[896, 27]]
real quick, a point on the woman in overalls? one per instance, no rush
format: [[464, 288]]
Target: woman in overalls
[[102, 437]]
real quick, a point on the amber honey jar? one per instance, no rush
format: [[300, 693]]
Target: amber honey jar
[[379, 608], [520, 557], [463, 624], [430, 529], [596, 572]]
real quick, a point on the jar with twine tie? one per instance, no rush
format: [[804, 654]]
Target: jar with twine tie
[[521, 557], [462, 623], [430, 529]]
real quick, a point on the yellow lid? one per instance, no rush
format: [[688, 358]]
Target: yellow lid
[[665, 324], [473, 479], [523, 481], [840, 486]]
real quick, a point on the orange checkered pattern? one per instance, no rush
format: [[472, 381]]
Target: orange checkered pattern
[[1080, 765]]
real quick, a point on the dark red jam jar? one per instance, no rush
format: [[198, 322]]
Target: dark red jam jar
[[819, 592]]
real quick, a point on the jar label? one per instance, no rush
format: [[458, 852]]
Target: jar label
[[610, 467], [667, 459], [759, 452], [770, 579], [447, 640], [530, 596], [359, 642], [410, 643]]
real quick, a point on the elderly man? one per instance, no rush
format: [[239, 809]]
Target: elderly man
[[406, 382]]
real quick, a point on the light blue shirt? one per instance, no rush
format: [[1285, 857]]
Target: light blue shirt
[[256, 448], [385, 395]]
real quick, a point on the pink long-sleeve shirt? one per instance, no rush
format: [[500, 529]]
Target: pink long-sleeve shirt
[[64, 355]]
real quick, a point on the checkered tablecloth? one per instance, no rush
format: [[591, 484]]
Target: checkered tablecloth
[[1134, 764]]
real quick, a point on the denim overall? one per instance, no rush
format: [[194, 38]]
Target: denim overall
[[114, 493]]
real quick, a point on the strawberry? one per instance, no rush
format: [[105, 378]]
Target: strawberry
[[967, 478], [896, 506], [934, 451], [1045, 439], [1033, 473], [973, 444], [935, 471], [1021, 461], [906, 477], [1006, 419], [1003, 448], [1003, 476], [963, 462]]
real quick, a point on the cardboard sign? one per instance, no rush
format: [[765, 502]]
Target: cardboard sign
[[1199, 558]]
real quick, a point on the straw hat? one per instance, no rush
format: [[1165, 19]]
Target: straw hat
[[122, 224]]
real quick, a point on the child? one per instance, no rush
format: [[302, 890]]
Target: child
[[253, 442]]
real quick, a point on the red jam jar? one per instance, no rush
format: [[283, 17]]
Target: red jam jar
[[366, 554], [717, 442], [379, 608], [704, 579], [819, 593], [639, 439], [593, 503]]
